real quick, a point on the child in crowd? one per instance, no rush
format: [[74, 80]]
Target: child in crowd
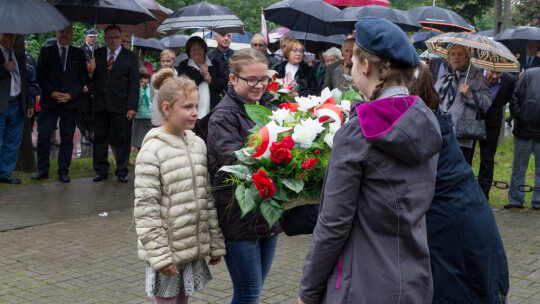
[[167, 60], [141, 121], [176, 221]]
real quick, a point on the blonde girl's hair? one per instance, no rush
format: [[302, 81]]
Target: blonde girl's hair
[[171, 89], [167, 52], [388, 70], [245, 57]]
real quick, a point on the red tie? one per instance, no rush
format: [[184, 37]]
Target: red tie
[[110, 63]]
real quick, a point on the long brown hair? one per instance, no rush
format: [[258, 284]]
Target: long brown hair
[[387, 70], [424, 87]]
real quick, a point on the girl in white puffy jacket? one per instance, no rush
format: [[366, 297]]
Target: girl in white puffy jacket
[[175, 217]]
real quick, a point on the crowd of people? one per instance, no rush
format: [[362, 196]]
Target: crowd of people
[[386, 216]]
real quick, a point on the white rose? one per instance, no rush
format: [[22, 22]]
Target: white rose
[[281, 115], [329, 139], [303, 136], [306, 131], [345, 105], [306, 103], [334, 127]]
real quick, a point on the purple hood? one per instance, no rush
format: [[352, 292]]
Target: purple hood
[[403, 127]]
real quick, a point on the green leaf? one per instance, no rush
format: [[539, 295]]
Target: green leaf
[[245, 200], [281, 195], [266, 163], [259, 114], [271, 211], [351, 95], [240, 171], [293, 184], [242, 157]]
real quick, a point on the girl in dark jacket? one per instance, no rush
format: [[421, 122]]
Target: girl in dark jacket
[[206, 74], [294, 66], [250, 243], [468, 261], [369, 244]]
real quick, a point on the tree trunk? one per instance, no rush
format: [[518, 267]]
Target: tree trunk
[[507, 14], [26, 160], [498, 17]]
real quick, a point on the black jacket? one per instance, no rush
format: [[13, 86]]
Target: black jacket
[[117, 91], [226, 130], [215, 54], [494, 114], [525, 105], [51, 78], [218, 84], [5, 83], [305, 78]]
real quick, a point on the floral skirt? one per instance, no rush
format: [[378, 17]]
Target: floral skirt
[[191, 277]]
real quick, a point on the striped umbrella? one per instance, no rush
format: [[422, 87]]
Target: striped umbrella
[[485, 53], [202, 16]]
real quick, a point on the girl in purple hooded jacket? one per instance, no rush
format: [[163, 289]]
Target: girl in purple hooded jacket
[[370, 244]]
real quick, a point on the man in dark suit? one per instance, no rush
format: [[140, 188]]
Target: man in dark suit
[[115, 75], [501, 86], [222, 53], [529, 59], [61, 74], [15, 103], [85, 121]]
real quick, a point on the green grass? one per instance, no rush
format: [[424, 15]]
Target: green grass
[[80, 167], [503, 171]]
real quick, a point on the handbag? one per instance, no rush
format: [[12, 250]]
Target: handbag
[[471, 129]]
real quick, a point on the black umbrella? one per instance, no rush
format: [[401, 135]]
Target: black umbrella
[[487, 33], [440, 19], [202, 16], [308, 16], [104, 11], [314, 42], [516, 38], [30, 16], [175, 41], [420, 38], [150, 43], [348, 17]]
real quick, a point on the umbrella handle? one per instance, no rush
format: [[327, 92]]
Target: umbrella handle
[[468, 70]]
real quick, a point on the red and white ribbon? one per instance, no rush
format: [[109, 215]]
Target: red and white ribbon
[[269, 134]]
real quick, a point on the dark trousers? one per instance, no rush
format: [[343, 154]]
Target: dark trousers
[[85, 120], [46, 123], [102, 127], [468, 154], [488, 148]]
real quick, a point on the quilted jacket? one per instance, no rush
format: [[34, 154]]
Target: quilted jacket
[[175, 217]]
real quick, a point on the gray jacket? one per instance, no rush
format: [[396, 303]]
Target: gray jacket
[[370, 244], [479, 86]]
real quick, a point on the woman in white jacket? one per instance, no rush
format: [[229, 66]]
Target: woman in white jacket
[[175, 217]]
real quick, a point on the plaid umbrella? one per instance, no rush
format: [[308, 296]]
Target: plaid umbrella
[[485, 53]]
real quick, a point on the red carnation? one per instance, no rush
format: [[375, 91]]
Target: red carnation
[[317, 152], [292, 107], [309, 164], [280, 151], [264, 184], [272, 86]]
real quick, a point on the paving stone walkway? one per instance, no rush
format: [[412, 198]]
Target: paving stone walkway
[[59, 250]]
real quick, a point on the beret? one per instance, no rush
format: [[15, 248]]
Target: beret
[[91, 32], [381, 37]]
